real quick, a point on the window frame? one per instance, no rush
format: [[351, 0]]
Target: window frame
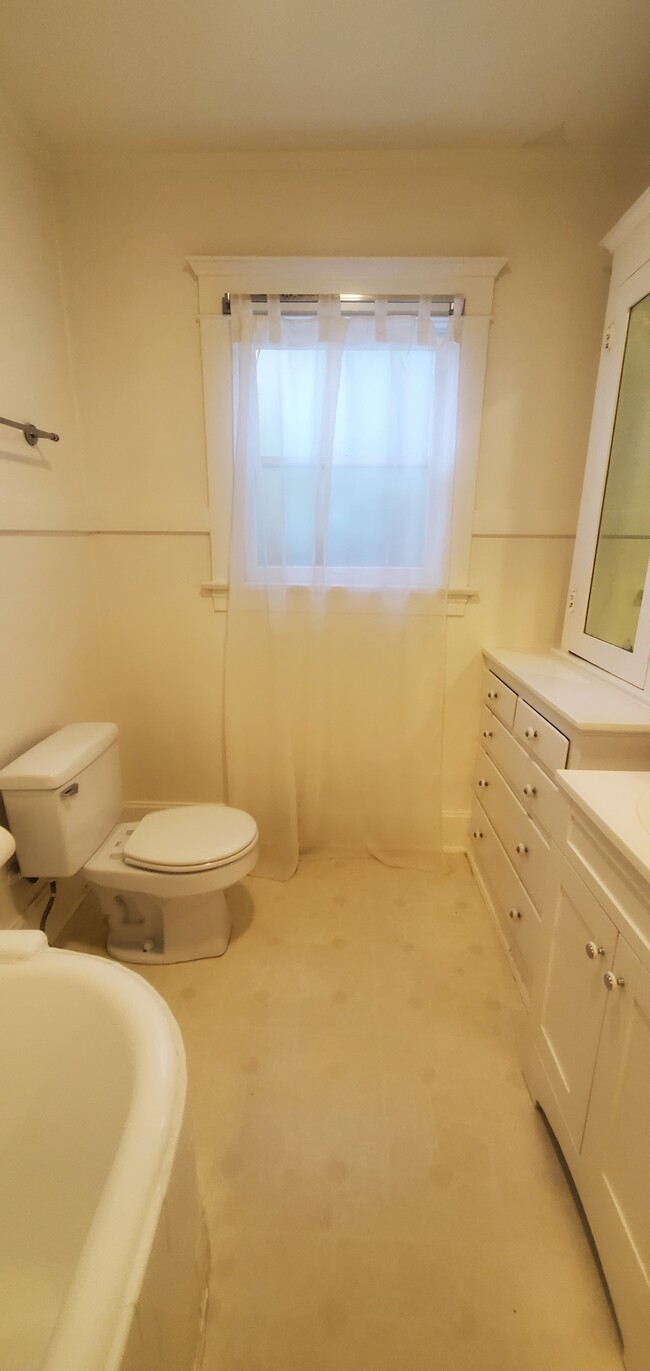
[[470, 277]]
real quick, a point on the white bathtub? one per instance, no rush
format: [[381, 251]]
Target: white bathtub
[[103, 1256]]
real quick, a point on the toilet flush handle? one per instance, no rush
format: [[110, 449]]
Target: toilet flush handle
[[68, 790]]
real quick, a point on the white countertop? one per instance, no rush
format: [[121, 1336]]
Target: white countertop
[[573, 693], [618, 802]]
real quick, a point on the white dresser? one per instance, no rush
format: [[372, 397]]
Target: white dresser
[[540, 713], [588, 1060]]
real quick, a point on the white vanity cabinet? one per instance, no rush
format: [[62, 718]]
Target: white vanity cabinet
[[588, 1061], [540, 713], [513, 815]]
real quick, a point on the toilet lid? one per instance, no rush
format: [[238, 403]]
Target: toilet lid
[[190, 838]]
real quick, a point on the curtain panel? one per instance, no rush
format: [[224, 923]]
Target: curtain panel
[[344, 448]]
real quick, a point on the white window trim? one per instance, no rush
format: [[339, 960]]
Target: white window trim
[[471, 277]]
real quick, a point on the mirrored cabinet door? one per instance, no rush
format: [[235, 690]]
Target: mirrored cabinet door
[[608, 618], [623, 544]]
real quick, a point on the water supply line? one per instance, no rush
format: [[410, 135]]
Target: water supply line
[[46, 911]]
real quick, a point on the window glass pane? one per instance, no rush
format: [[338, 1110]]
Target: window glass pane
[[377, 517], [383, 412], [376, 492], [288, 383], [286, 515]]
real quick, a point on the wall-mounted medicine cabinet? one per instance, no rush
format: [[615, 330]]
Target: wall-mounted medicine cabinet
[[607, 621]]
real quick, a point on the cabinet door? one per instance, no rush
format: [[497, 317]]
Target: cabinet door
[[616, 1150], [570, 999], [608, 611]]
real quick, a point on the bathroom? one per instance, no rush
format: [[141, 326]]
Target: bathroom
[[110, 541]]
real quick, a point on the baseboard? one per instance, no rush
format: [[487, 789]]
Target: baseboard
[[455, 823]]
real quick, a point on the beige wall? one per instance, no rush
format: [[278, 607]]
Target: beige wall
[[126, 227], [47, 603], [47, 617]]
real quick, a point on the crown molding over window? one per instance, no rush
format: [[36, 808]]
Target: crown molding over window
[[472, 277]]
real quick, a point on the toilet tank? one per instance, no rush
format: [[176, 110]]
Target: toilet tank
[[63, 797]]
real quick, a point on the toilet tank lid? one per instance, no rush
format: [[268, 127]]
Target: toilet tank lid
[[58, 758]]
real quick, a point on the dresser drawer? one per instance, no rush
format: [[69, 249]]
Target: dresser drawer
[[516, 914], [524, 844], [535, 790], [499, 698], [542, 800], [504, 749], [542, 739]]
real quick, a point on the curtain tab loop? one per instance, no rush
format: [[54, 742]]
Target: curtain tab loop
[[381, 315], [454, 325], [331, 325], [274, 319], [241, 318], [424, 320]]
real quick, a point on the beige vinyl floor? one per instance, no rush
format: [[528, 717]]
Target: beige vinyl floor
[[380, 1193]]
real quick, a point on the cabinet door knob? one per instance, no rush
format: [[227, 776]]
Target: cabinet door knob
[[493, 694], [593, 951], [521, 849], [530, 790], [514, 913], [483, 783], [611, 981], [530, 733], [487, 733], [477, 833]]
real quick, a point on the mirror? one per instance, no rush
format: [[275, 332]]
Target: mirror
[[623, 546]]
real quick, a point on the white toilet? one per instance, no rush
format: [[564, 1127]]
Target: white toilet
[[160, 882]]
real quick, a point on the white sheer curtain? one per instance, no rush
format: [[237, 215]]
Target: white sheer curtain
[[344, 450]]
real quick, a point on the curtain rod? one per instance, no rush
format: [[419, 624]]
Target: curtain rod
[[445, 302]]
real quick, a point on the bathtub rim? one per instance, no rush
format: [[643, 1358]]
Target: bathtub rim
[[91, 1333]]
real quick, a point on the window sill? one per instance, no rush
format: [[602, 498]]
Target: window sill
[[458, 598]]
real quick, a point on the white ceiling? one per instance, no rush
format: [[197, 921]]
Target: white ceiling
[[219, 74]]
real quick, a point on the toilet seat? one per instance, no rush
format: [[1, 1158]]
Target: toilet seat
[[190, 838]]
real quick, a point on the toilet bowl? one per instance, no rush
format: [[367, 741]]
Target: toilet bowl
[[160, 882]]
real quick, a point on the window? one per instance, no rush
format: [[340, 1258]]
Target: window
[[367, 480], [345, 437]]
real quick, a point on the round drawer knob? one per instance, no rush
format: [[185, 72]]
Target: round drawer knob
[[477, 833], [493, 694], [521, 849], [611, 981], [530, 790], [487, 733], [483, 783], [593, 951], [514, 913], [530, 733]]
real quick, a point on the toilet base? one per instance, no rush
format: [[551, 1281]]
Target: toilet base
[[146, 931]]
